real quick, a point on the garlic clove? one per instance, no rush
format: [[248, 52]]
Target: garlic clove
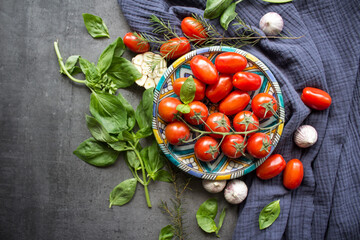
[[141, 81], [271, 23], [149, 83], [305, 136], [138, 59]]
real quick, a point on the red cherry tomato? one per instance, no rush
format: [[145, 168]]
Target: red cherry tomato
[[246, 81], [272, 167], [135, 44], [218, 122], [233, 146], [235, 102], [258, 145], [176, 132], [262, 104], [315, 98], [219, 90], [230, 62], [192, 28], [204, 70], [206, 149], [293, 174], [245, 121], [175, 47], [197, 110], [200, 88], [167, 108]]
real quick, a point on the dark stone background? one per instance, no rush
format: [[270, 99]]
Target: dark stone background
[[45, 191]]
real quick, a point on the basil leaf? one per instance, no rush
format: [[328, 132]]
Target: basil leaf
[[95, 26], [125, 136], [92, 75], [129, 110], [106, 57], [119, 146], [214, 8], [152, 158], [109, 111], [187, 90], [206, 214], [96, 153], [228, 16], [98, 131], [269, 214], [123, 192], [277, 1], [143, 133], [162, 175], [132, 159], [70, 64], [143, 113], [166, 233], [183, 108], [221, 220], [123, 73]]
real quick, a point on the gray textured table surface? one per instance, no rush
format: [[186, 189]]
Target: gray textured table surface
[[45, 191]]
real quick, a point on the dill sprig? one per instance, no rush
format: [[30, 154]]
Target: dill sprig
[[176, 211]]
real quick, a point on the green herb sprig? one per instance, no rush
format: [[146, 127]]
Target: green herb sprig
[[269, 214]]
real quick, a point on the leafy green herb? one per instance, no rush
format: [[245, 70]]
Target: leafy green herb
[[269, 214], [123, 192], [206, 214], [131, 121], [183, 108], [95, 26], [228, 15], [214, 8], [70, 65], [143, 113], [187, 91], [166, 233], [96, 153], [98, 131], [277, 1]]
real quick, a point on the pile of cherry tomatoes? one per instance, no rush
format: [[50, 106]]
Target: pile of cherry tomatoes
[[231, 130]]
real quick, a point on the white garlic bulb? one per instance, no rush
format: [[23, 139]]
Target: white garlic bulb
[[271, 23], [305, 136]]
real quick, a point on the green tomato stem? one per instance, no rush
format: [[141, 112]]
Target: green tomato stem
[[62, 66]]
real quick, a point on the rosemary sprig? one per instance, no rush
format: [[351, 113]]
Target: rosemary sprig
[[176, 211], [162, 28]]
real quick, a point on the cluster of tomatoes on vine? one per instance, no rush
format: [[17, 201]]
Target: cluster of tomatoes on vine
[[232, 130]]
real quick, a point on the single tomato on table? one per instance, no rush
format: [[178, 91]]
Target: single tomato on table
[[167, 108], [216, 92], [246, 81], [233, 146], [177, 132], [293, 174], [245, 121], [264, 105], [193, 28], [200, 88], [217, 122], [206, 149], [230, 62], [204, 70], [235, 102], [198, 113], [272, 167], [175, 48], [316, 98], [258, 145], [135, 44]]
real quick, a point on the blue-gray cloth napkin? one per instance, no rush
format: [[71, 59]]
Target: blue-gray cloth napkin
[[327, 204]]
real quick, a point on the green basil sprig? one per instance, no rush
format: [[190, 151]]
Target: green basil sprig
[[228, 15], [214, 8], [95, 26], [187, 95], [123, 192], [206, 214], [269, 214]]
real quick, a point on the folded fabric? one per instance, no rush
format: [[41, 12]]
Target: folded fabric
[[326, 205]]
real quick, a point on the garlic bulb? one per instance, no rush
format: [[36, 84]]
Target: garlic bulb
[[236, 191], [271, 23], [143, 63], [214, 186], [305, 136]]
